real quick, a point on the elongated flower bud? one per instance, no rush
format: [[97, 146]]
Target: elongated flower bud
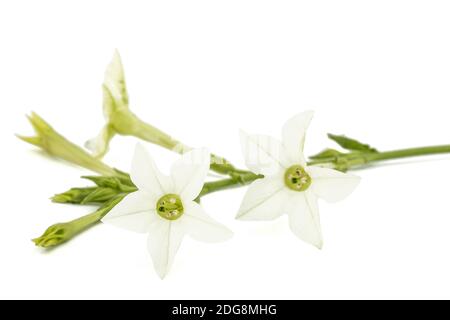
[[63, 232]]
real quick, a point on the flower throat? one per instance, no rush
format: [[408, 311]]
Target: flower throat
[[296, 178], [170, 207]]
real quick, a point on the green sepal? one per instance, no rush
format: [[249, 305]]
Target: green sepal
[[100, 195], [107, 187], [73, 195], [351, 144], [121, 184], [88, 195], [326, 154]]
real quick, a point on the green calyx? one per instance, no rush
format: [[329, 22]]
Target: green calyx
[[170, 207], [296, 178]]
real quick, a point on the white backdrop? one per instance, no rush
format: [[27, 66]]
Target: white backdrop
[[375, 70]]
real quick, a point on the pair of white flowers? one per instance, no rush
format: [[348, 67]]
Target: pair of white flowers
[[164, 206]]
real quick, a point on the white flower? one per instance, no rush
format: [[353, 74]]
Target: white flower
[[121, 120], [289, 184], [115, 105], [164, 206]]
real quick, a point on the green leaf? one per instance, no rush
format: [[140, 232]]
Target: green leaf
[[351, 144]]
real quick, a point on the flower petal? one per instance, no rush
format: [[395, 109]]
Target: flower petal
[[163, 242], [136, 212], [100, 144], [114, 82], [201, 226], [332, 185], [294, 131], [264, 200], [304, 219], [146, 176], [189, 173], [263, 154]]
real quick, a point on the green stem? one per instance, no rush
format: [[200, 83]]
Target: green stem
[[233, 182], [94, 217], [351, 160], [149, 133], [406, 153]]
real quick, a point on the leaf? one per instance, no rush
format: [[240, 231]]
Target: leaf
[[351, 144]]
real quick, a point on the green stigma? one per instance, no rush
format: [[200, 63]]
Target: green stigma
[[296, 178], [170, 207]]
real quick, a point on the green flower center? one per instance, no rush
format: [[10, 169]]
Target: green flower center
[[170, 207], [296, 178]]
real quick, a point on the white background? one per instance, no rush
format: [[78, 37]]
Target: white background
[[375, 70]]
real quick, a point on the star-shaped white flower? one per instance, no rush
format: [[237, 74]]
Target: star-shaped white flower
[[289, 184], [164, 206]]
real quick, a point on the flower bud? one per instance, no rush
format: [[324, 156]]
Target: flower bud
[[55, 235], [62, 232]]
